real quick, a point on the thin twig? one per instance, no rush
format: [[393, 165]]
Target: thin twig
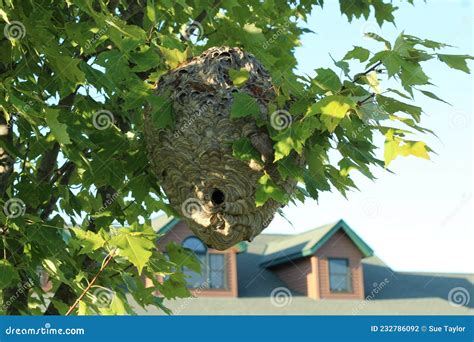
[[360, 103], [109, 257], [372, 68]]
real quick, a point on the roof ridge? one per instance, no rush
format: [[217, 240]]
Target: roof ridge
[[332, 224]]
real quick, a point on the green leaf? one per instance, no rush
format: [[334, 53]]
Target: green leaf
[[161, 111], [67, 67], [335, 105], [116, 307], [412, 74], [376, 37], [239, 77], [136, 245], [392, 106], [58, 129], [456, 61], [267, 189], [83, 309], [327, 79], [173, 57], [332, 109], [294, 137], [244, 105], [8, 274], [359, 53], [90, 241], [431, 95], [354, 9], [244, 150], [175, 286], [316, 179], [183, 257], [392, 62], [383, 11], [371, 111]]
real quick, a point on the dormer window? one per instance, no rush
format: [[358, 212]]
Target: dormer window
[[213, 266], [339, 275]]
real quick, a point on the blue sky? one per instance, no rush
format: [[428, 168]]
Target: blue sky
[[420, 217]]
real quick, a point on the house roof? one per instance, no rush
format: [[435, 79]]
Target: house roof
[[301, 245], [163, 224], [405, 293]]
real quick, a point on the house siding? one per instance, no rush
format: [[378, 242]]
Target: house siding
[[340, 246], [180, 232], [297, 275]]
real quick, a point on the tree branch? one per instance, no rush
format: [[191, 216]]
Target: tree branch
[[64, 180], [6, 161], [47, 164]]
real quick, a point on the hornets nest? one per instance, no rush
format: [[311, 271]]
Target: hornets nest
[[213, 190]]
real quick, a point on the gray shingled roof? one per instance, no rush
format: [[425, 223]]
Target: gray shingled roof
[[307, 243]]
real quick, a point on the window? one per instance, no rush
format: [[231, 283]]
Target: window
[[195, 279], [339, 275], [213, 266], [217, 271], [195, 244]]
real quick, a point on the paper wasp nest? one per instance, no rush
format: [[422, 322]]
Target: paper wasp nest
[[214, 191]]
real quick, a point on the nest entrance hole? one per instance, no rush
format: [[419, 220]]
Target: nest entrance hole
[[217, 197]]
